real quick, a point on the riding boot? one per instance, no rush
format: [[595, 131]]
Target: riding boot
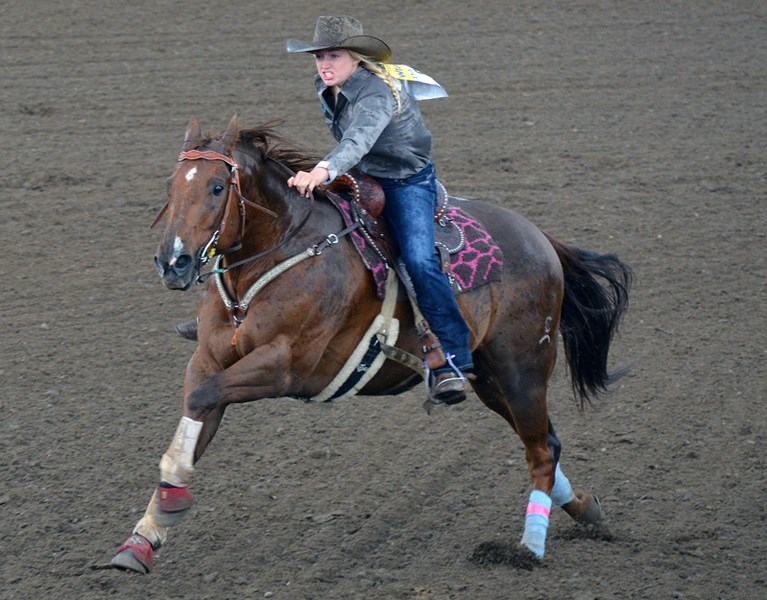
[[446, 385], [188, 330], [433, 353]]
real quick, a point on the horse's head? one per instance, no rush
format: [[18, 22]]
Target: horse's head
[[203, 205]]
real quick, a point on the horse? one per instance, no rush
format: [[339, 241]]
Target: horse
[[289, 301]]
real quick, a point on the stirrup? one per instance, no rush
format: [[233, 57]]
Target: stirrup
[[446, 387]]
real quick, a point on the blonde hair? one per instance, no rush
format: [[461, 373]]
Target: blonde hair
[[377, 69]]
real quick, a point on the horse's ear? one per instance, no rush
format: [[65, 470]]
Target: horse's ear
[[193, 134], [232, 133]]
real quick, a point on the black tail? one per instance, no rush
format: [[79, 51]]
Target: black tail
[[591, 314]]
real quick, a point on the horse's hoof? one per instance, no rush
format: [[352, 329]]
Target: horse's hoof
[[586, 508], [169, 519], [136, 554], [526, 558], [173, 504], [592, 513]]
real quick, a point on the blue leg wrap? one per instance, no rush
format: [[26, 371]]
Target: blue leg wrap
[[562, 492], [537, 522]]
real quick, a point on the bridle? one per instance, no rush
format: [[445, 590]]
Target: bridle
[[239, 308], [210, 249]]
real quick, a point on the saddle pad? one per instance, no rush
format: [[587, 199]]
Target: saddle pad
[[480, 261], [477, 262]]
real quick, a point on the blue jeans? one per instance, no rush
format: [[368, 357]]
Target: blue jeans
[[409, 211]]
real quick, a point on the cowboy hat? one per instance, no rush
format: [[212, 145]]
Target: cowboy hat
[[345, 33]]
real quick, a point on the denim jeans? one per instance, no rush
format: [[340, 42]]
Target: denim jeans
[[409, 211]]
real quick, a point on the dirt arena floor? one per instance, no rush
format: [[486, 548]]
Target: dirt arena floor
[[630, 127]]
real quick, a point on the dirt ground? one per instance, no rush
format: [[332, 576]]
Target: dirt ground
[[630, 127]]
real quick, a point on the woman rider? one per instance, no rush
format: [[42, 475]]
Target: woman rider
[[379, 130]]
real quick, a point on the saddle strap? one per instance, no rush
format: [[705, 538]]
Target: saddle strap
[[433, 353], [369, 355], [403, 357], [378, 344]]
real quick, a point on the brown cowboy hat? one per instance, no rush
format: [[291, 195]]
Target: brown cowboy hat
[[342, 32]]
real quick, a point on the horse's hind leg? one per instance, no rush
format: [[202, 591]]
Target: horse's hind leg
[[171, 500], [580, 505], [533, 431], [521, 400], [519, 396]]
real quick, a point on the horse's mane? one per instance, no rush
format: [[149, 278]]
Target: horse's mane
[[267, 140]]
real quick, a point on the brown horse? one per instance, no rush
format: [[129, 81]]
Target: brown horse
[[292, 300]]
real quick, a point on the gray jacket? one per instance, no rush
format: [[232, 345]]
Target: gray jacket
[[370, 133]]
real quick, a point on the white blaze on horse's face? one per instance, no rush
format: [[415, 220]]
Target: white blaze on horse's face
[[178, 245], [190, 174]]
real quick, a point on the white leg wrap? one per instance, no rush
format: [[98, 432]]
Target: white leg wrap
[[562, 492], [537, 522], [148, 528], [176, 466]]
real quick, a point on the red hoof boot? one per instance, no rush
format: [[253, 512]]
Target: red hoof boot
[[172, 505], [136, 554]]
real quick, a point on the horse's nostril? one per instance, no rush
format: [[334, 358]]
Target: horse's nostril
[[183, 263]]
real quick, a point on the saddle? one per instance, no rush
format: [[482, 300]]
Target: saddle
[[367, 204], [468, 255]]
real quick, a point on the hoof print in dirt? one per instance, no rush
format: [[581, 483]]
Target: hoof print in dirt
[[502, 553]]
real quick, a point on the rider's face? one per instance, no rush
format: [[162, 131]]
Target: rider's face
[[335, 66]]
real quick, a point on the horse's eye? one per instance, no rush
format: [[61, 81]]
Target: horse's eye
[[217, 189]]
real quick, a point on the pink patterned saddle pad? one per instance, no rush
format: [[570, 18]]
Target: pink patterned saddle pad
[[474, 257]]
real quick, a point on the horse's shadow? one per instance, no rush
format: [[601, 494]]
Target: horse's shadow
[[504, 553]]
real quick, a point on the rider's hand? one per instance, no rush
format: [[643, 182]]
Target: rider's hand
[[305, 182]]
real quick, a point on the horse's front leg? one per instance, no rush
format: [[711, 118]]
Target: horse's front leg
[[170, 501], [256, 375], [250, 378], [205, 401]]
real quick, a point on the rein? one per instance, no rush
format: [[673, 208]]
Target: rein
[[238, 309], [258, 255], [274, 272]]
